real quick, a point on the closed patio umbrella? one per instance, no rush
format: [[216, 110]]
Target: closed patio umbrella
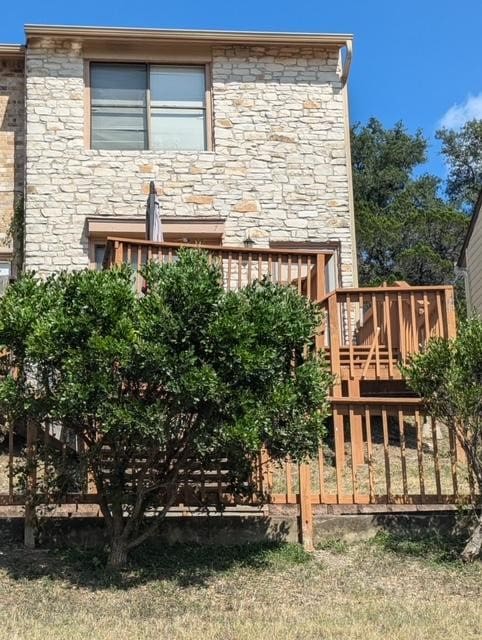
[[153, 216]]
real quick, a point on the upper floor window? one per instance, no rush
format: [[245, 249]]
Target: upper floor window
[[148, 106]]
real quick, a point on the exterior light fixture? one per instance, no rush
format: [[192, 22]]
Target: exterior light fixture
[[248, 241]]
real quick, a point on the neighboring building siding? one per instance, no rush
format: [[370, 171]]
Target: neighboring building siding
[[279, 165], [12, 91], [473, 257]]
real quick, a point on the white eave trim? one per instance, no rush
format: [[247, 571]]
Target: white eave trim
[[241, 37], [12, 51]]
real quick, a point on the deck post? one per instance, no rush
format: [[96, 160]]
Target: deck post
[[306, 510], [319, 292]]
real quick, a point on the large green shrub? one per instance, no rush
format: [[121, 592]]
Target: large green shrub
[[448, 375], [184, 372]]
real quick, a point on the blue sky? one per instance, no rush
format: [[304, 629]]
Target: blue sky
[[415, 60]]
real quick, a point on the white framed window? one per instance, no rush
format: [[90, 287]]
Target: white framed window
[[5, 275], [148, 106]]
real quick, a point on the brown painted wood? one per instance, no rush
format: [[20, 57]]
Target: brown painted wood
[[306, 511]]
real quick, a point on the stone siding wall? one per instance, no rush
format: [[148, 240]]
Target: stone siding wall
[[278, 168], [12, 93]]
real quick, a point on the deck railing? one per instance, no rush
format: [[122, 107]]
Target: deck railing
[[240, 266], [370, 330]]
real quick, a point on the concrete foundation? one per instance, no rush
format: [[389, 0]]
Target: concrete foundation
[[279, 526]]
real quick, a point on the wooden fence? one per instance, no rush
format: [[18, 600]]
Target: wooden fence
[[376, 451]]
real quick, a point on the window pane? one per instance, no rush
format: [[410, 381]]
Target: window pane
[[178, 129], [118, 128], [177, 86], [99, 256], [118, 84]]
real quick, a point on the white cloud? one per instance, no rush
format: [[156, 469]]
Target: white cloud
[[459, 114]]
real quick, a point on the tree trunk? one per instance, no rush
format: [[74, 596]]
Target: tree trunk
[[474, 543], [118, 554]]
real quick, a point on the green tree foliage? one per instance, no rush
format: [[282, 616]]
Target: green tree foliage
[[405, 231], [448, 375], [185, 374], [463, 151]]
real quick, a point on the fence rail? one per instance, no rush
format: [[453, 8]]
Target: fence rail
[[376, 451], [381, 451]]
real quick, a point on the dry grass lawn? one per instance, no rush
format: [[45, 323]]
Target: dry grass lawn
[[405, 590]]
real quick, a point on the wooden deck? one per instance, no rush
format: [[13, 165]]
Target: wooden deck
[[381, 448]]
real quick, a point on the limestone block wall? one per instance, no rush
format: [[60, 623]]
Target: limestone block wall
[[278, 167], [12, 92]]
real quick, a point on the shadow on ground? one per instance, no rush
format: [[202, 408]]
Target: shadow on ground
[[439, 545], [184, 564]]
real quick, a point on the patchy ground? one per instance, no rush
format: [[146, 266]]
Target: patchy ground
[[384, 589]]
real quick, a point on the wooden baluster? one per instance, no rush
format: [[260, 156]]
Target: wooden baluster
[[350, 335], [403, 454], [415, 341], [270, 266], [339, 452], [300, 286], [139, 279], [354, 457], [356, 428], [436, 460], [129, 253], [289, 269], [118, 252], [219, 483], [250, 259], [420, 455], [450, 311], [386, 454], [371, 474], [240, 270], [388, 325], [260, 266], [31, 486], [360, 312], [439, 323], [10, 460], [401, 327], [278, 275], [321, 473], [290, 496], [308, 277], [426, 319], [377, 339], [453, 461], [228, 276]]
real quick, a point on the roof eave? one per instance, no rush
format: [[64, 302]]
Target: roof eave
[[462, 262], [187, 35], [12, 51]]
